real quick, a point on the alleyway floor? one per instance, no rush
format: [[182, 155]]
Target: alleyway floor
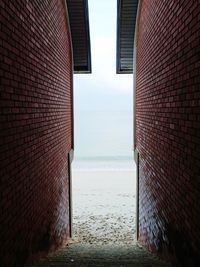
[[82, 255]]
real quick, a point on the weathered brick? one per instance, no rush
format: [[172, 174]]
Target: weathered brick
[[167, 126], [36, 128]]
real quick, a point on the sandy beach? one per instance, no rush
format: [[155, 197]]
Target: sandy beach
[[104, 206]]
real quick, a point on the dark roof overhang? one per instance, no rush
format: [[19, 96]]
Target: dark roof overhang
[[126, 21], [80, 32]]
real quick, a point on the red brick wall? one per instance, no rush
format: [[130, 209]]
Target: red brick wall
[[168, 126], [35, 136]]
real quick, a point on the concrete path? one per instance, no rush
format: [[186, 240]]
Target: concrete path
[[82, 255]]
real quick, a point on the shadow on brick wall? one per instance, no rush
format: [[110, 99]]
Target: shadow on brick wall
[[176, 247]]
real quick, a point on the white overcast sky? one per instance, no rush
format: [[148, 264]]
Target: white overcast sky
[[103, 89]]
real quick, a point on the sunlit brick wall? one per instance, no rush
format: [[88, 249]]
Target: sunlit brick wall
[[35, 136], [168, 126]]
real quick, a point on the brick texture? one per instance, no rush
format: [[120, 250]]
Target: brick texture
[[36, 128], [168, 127]]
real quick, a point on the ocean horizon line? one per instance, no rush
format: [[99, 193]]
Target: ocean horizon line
[[103, 158], [103, 169]]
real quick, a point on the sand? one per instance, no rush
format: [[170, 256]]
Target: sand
[[104, 206]]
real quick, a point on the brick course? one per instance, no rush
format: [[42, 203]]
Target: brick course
[[36, 128], [168, 126]]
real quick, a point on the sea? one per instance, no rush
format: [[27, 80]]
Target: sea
[[103, 139]]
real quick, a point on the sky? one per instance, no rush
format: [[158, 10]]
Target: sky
[[103, 89]]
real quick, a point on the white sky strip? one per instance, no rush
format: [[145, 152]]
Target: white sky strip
[[103, 85]]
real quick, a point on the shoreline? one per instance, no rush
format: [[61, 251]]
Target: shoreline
[[103, 166]]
